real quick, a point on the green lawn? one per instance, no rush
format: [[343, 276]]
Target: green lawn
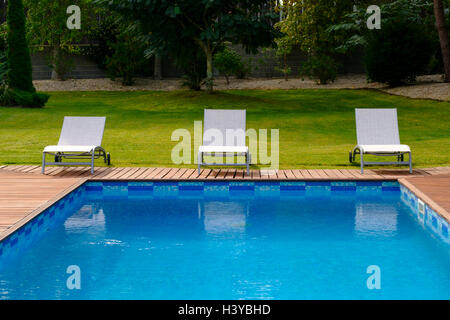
[[317, 127]]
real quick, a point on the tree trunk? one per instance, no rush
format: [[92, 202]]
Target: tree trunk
[[56, 60], [158, 68], [209, 71], [443, 36]]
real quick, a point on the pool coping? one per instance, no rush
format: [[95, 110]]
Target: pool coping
[[426, 199], [39, 210]]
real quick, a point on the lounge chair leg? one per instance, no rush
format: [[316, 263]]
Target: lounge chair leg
[[43, 163], [362, 163], [92, 162], [249, 159], [199, 160], [410, 163]]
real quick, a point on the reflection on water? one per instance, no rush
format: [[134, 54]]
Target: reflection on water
[[375, 219], [89, 217], [223, 217]]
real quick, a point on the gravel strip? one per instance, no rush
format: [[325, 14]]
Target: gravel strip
[[427, 87]]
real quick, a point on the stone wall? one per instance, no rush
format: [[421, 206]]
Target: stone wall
[[263, 65], [83, 68]]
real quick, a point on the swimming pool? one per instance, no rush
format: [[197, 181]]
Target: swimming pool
[[230, 240]]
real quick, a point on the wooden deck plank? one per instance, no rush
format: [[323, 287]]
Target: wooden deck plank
[[204, 173], [213, 174]]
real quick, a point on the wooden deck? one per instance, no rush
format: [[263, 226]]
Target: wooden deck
[[24, 192]]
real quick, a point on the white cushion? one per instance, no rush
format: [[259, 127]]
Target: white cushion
[[225, 149], [389, 148], [76, 149]]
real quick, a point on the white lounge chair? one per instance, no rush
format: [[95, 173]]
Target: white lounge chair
[[224, 134], [377, 134], [81, 138]]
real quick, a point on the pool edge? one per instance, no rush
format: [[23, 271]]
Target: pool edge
[[39, 210], [426, 199]]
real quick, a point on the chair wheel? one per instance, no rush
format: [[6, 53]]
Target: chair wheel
[[108, 159], [350, 157]]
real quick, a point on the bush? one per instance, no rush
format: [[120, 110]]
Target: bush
[[16, 97], [191, 59], [322, 68], [3, 68], [244, 69], [396, 53], [127, 59], [227, 62], [103, 36], [19, 61]]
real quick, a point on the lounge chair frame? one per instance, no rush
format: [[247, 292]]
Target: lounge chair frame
[[392, 127], [202, 162], [215, 116], [95, 152]]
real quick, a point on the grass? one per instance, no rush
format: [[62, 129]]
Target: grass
[[317, 127]]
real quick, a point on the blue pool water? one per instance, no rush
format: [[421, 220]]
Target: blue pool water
[[251, 242]]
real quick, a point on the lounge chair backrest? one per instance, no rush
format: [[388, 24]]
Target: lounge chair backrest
[[224, 128], [377, 127], [82, 131]]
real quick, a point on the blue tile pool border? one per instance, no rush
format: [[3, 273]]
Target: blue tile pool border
[[214, 189], [425, 215]]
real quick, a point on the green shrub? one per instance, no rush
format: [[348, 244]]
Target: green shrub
[[396, 53], [3, 68], [128, 58], [322, 68], [191, 59], [16, 97], [227, 62], [19, 61], [244, 69]]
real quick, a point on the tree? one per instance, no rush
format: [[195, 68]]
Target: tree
[[398, 52], [19, 89], [305, 26], [19, 61], [206, 23], [419, 13], [227, 62], [443, 36], [47, 29]]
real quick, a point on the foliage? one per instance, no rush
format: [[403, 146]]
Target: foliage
[[353, 31], [398, 52], [190, 58], [321, 67], [306, 26], [127, 58], [244, 69], [3, 37], [17, 97], [18, 89], [19, 61], [227, 62], [101, 39], [207, 24], [47, 29], [284, 48], [3, 69]]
